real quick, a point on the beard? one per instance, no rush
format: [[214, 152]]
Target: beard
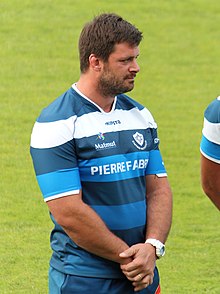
[[112, 85]]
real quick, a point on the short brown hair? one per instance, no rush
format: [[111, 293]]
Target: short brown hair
[[101, 34]]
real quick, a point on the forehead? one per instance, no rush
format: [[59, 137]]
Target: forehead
[[125, 50]]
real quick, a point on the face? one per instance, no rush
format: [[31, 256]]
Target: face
[[119, 72]]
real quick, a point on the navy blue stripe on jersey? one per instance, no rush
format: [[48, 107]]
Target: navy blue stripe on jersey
[[131, 215], [210, 149], [65, 106], [108, 193], [59, 182], [114, 168], [212, 112], [47, 160], [132, 236], [127, 103], [94, 147]]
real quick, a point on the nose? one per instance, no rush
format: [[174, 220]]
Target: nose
[[134, 66]]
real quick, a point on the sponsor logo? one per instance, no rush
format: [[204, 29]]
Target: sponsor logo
[[101, 146], [139, 141], [113, 122], [119, 167]]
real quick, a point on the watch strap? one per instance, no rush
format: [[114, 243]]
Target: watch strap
[[159, 246]]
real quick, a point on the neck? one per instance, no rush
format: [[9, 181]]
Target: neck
[[88, 87]]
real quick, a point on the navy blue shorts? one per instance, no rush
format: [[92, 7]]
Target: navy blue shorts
[[60, 283]]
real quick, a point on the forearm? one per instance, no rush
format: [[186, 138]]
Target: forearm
[[159, 214], [88, 231]]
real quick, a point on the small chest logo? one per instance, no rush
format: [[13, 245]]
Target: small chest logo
[[139, 141], [103, 145], [100, 136]]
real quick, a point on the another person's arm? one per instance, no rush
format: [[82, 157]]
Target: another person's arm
[[210, 179], [210, 152]]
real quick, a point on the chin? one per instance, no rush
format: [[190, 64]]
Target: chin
[[128, 90], [131, 87]]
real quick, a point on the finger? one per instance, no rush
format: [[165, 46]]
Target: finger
[[135, 276], [129, 268], [147, 280], [140, 287], [133, 266], [132, 276], [128, 253], [138, 278]]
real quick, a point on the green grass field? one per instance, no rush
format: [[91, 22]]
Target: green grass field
[[180, 69]]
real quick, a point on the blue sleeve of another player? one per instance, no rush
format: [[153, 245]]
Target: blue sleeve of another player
[[155, 164], [210, 142], [210, 150]]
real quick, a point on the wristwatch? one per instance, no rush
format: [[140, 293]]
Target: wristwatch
[[159, 246]]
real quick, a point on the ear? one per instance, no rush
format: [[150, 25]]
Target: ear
[[95, 62]]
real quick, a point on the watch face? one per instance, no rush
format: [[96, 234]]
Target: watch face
[[160, 251]]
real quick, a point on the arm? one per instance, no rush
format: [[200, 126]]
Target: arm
[[159, 212], [159, 217], [210, 175], [86, 228]]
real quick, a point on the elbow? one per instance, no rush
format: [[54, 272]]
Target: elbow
[[207, 187], [64, 221], [213, 192]]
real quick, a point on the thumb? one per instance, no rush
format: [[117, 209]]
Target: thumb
[[128, 252]]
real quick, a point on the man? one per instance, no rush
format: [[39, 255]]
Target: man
[[97, 162], [210, 152]]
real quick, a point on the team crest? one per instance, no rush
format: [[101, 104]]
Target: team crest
[[139, 141]]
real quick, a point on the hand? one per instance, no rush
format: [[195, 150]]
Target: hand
[[141, 269]]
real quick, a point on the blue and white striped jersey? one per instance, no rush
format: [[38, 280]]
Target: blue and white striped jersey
[[76, 145], [210, 142]]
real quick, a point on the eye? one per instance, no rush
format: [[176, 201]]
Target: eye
[[127, 60]]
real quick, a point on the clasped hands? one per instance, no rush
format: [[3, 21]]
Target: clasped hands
[[140, 269]]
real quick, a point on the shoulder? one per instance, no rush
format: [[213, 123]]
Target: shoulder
[[212, 112], [210, 142], [56, 123], [65, 106], [127, 103]]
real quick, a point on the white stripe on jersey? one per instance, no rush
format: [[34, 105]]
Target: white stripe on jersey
[[74, 192], [211, 131], [209, 157], [97, 122], [52, 134]]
